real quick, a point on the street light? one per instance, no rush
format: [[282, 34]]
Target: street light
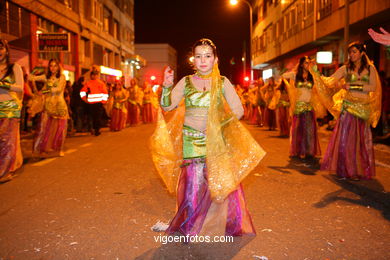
[[235, 2]]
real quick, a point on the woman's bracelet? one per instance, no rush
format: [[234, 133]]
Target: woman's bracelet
[[356, 87]]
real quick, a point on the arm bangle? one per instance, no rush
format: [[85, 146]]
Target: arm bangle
[[356, 87]]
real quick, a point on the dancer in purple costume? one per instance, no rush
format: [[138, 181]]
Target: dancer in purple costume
[[304, 107], [353, 95], [209, 201]]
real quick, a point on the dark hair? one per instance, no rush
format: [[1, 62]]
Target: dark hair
[[77, 85], [282, 86], [94, 72], [299, 75], [364, 63], [207, 42], [4, 43], [80, 80], [273, 80], [262, 82], [48, 75], [134, 80], [10, 67]]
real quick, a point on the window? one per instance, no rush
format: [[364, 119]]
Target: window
[[128, 8], [88, 10], [274, 35], [280, 27], [97, 54], [107, 18], [15, 21], [287, 21], [115, 31], [117, 61], [84, 49], [260, 12], [293, 15], [128, 36], [325, 8], [97, 13], [87, 48], [309, 7], [262, 43], [107, 61], [71, 4]]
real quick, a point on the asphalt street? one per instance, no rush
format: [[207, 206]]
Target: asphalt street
[[101, 199]]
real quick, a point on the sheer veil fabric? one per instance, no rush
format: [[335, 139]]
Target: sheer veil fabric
[[232, 153]]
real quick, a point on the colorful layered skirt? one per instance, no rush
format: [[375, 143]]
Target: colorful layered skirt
[[50, 137], [303, 135], [197, 213], [254, 117], [350, 151], [10, 152], [282, 119], [134, 113], [149, 113], [270, 118], [118, 117]]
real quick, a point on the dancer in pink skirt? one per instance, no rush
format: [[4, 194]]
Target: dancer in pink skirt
[[204, 152], [50, 137], [353, 95]]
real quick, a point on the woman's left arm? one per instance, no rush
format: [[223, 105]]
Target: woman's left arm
[[233, 99], [372, 85]]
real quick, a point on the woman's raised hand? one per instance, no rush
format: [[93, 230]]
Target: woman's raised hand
[[382, 38], [168, 77]]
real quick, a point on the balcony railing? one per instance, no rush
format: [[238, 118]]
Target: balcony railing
[[325, 11]]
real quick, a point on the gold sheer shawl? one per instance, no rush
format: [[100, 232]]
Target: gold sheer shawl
[[166, 147], [332, 95], [231, 155], [315, 99]]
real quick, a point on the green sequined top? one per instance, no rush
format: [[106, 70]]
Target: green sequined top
[[197, 102], [307, 84], [352, 78], [10, 108], [195, 98]]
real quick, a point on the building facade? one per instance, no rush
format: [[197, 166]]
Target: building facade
[[285, 30], [101, 33], [159, 56]]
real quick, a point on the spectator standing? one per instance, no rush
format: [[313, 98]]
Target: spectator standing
[[95, 94]]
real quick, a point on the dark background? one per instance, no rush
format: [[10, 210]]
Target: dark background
[[180, 23]]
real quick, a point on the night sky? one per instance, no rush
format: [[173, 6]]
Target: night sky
[[181, 23]]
